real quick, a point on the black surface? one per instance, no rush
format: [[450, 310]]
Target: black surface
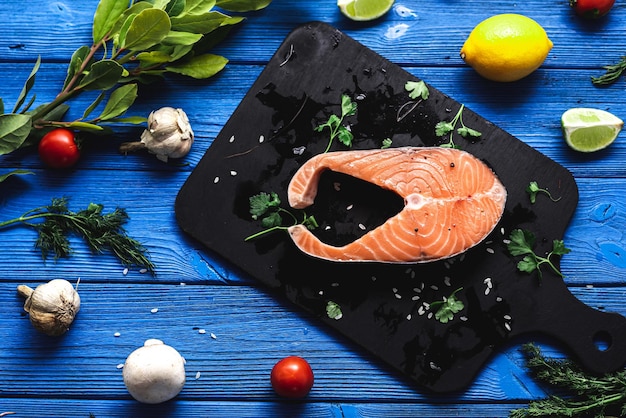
[[300, 87]]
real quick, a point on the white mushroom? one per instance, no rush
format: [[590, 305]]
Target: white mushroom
[[154, 373]]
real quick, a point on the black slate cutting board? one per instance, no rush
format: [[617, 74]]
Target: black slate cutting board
[[385, 307]]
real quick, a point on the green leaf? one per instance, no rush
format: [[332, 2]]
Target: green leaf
[[271, 220], [105, 17], [76, 62], [521, 242], [348, 107], [243, 5], [86, 127], [345, 136], [443, 128], [559, 248], [262, 202], [203, 66], [102, 75], [198, 7], [134, 120], [93, 105], [3, 177], [14, 129], [333, 310], [159, 4], [465, 132], [175, 7], [181, 38], [148, 59], [120, 38], [148, 28], [202, 24], [417, 89], [55, 114], [528, 264], [119, 102], [27, 86], [1, 106]]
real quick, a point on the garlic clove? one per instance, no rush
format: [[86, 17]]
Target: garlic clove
[[52, 306]]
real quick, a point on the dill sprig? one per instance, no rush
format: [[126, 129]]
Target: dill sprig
[[581, 394], [612, 74], [102, 232]]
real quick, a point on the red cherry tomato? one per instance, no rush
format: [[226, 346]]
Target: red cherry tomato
[[591, 9], [58, 148], [292, 377]]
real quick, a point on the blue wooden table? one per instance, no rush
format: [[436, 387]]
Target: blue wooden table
[[247, 329]]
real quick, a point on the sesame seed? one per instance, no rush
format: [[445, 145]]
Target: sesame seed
[[261, 139], [216, 179], [232, 139]]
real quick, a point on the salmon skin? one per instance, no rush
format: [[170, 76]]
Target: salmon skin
[[452, 202]]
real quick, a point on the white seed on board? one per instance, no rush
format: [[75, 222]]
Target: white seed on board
[[233, 173], [490, 250], [201, 331], [120, 366], [214, 336], [125, 271], [337, 186], [299, 150], [362, 227], [507, 326], [197, 375], [154, 310], [463, 318], [349, 207], [232, 139], [261, 139], [216, 179], [398, 296], [446, 281], [117, 334], [414, 298], [408, 317], [143, 271]]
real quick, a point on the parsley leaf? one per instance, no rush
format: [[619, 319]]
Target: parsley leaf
[[533, 190], [266, 207], [522, 242], [417, 89], [448, 307], [335, 123], [444, 128], [333, 310]]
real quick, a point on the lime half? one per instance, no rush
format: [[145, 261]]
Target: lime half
[[588, 130], [364, 9]]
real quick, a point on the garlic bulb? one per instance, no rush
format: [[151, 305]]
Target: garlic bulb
[[51, 306], [169, 135]]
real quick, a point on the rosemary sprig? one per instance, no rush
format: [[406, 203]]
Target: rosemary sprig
[[612, 74], [102, 232], [581, 394]]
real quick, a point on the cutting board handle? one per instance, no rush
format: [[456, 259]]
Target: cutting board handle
[[596, 338]]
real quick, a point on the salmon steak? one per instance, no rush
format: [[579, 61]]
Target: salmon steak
[[452, 202]]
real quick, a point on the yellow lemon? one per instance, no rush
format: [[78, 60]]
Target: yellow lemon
[[506, 47]]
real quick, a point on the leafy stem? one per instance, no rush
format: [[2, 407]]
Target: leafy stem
[[521, 243], [336, 126], [266, 207], [448, 307], [444, 128], [101, 232], [612, 74], [533, 190]]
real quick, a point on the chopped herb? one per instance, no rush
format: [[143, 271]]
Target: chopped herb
[[612, 74], [581, 394], [444, 128], [100, 231], [448, 307], [522, 242], [417, 89], [333, 310], [386, 143], [335, 123], [266, 207], [533, 190]]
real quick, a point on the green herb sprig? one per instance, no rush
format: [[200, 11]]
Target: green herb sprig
[[101, 231], [522, 242], [336, 126], [612, 74], [448, 307], [533, 190], [581, 394], [266, 207], [444, 128], [133, 42]]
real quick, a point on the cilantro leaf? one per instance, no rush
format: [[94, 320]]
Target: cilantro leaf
[[335, 123], [522, 242], [417, 89], [448, 307], [262, 202], [533, 190]]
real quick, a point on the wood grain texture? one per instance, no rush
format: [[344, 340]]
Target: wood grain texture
[[77, 374]]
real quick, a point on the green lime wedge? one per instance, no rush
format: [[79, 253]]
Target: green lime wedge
[[588, 129], [364, 9]]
